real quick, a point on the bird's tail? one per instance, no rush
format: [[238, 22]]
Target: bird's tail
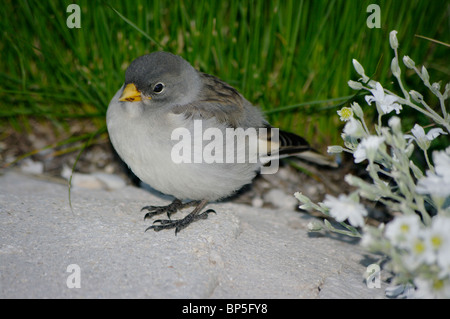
[[288, 144]]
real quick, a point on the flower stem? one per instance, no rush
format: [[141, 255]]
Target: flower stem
[[431, 167], [405, 92]]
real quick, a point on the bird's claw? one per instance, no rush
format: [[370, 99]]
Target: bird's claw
[[179, 224], [170, 209]]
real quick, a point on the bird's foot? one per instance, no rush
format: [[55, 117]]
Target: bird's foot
[[170, 209], [179, 224]]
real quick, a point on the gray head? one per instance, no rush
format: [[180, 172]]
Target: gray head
[[161, 78]]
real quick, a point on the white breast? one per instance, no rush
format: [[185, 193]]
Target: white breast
[[143, 141]]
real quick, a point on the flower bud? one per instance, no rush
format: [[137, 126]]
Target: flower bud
[[372, 84], [416, 96], [416, 171], [410, 64], [314, 226], [409, 150], [393, 40], [395, 68], [355, 85], [446, 91], [335, 149], [307, 204], [425, 75], [436, 86], [358, 67], [357, 110]]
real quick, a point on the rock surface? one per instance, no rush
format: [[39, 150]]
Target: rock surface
[[240, 252]]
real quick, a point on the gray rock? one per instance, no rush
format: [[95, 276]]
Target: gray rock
[[240, 252], [280, 199]]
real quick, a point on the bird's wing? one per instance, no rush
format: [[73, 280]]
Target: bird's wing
[[223, 102], [216, 99]]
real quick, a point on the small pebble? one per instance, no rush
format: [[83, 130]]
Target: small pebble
[[280, 199], [29, 166], [257, 202], [111, 181], [93, 181]]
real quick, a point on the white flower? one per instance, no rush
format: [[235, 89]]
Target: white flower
[[432, 288], [442, 163], [346, 113], [419, 251], [353, 128], [368, 240], [344, 207], [367, 149], [437, 183], [371, 237], [424, 140], [385, 102], [421, 245], [438, 239], [402, 230]]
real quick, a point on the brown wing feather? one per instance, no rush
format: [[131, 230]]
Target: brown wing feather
[[216, 99]]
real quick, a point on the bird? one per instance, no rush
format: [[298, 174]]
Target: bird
[[162, 94]]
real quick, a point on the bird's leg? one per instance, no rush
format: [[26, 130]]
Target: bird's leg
[[179, 224], [170, 209]]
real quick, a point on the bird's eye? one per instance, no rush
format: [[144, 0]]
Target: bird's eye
[[158, 88]]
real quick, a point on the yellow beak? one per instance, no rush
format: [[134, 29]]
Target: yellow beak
[[131, 94]]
